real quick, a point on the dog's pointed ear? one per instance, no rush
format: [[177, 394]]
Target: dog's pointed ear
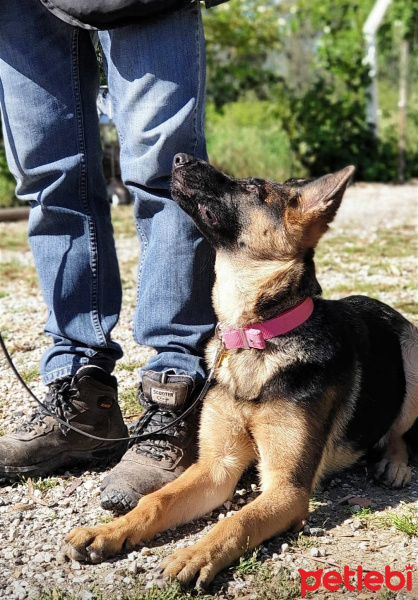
[[324, 195], [318, 203]]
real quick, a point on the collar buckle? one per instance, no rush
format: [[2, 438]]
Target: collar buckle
[[243, 338], [255, 336]]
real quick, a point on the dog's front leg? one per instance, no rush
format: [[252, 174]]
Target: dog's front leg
[[194, 493], [289, 460], [226, 449], [274, 511]]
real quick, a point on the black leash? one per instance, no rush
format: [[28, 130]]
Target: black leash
[[142, 436]]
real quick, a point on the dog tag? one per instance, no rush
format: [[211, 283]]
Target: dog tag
[[223, 359]]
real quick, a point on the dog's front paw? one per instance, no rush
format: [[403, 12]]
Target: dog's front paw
[[392, 474], [95, 544], [191, 563]]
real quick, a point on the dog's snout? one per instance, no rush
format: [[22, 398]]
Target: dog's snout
[[181, 159]]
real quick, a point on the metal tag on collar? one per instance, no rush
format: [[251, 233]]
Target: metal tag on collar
[[219, 356]]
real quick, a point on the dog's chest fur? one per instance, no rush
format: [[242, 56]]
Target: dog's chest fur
[[245, 372]]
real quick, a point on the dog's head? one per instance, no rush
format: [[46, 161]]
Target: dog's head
[[241, 213], [264, 230]]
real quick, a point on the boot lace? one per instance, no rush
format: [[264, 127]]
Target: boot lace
[[160, 446], [59, 402]]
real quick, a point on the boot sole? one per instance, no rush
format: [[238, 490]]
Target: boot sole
[[87, 458], [117, 500]]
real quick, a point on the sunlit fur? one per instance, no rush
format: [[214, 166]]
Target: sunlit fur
[[313, 401]]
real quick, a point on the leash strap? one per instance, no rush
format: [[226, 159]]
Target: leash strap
[[142, 436]]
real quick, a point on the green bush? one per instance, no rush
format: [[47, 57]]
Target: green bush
[[247, 139], [316, 134]]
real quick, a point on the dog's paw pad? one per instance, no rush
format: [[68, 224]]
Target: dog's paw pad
[[192, 564], [92, 545], [393, 475]]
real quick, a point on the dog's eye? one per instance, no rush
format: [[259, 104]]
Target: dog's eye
[[250, 187]]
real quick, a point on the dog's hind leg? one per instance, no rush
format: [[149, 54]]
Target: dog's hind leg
[[226, 449], [393, 470]]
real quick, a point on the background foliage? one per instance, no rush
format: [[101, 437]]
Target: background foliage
[[287, 89], [306, 66]]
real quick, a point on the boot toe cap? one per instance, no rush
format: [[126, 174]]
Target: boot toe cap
[[120, 499]]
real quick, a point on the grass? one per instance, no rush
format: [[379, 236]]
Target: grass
[[366, 517], [242, 143], [30, 374], [104, 519], [128, 400], [40, 484], [15, 271], [44, 485], [380, 266], [303, 541], [249, 564], [123, 221], [397, 242], [56, 594], [385, 595], [173, 591], [408, 307], [277, 586], [315, 502], [264, 585], [13, 239], [130, 366], [406, 521]]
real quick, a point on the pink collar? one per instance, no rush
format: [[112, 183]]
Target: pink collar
[[254, 336]]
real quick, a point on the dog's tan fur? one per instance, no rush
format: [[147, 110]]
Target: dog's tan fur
[[294, 447], [248, 434]]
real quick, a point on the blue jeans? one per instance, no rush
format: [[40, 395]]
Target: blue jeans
[[48, 87]]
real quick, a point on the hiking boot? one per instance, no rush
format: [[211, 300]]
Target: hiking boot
[[161, 457], [88, 401]]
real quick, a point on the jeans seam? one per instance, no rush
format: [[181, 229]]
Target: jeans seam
[[83, 190], [143, 250], [199, 78]]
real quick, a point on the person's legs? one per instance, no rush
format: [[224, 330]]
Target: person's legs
[[49, 81], [48, 87], [156, 77]]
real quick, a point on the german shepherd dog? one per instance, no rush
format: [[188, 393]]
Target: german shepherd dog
[[304, 403]]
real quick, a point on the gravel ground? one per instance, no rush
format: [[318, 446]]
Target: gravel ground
[[34, 516]]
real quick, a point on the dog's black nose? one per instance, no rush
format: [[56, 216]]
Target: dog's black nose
[[181, 159]]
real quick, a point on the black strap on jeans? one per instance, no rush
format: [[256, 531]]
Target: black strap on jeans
[[142, 436]]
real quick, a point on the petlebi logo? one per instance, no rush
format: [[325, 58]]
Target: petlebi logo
[[371, 581]]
